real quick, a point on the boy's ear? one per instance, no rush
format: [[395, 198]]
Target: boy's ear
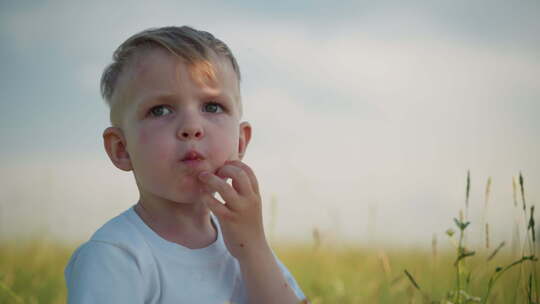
[[245, 137], [115, 145]]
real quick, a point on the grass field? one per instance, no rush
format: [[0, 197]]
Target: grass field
[[32, 271]]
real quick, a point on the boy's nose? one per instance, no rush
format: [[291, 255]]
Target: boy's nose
[[190, 132], [190, 127]]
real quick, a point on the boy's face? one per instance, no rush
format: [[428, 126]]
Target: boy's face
[[177, 123]]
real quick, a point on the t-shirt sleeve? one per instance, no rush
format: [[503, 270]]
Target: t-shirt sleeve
[[100, 272], [292, 282]]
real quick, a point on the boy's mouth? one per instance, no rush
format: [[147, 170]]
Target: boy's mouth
[[192, 156]]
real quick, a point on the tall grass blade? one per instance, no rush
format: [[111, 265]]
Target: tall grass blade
[[467, 192], [494, 253], [488, 192], [487, 236], [521, 185], [531, 224], [413, 281], [514, 191], [529, 289]]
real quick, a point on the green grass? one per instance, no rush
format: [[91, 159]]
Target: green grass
[[32, 272], [364, 275]]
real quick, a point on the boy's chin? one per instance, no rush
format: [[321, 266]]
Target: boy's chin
[[194, 196]]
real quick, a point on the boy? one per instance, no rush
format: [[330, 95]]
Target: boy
[[175, 105]]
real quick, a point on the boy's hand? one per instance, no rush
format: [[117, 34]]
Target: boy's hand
[[241, 222], [241, 215]]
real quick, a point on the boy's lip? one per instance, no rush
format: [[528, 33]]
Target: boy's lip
[[192, 155]]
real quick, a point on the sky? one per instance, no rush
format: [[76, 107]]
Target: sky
[[366, 115]]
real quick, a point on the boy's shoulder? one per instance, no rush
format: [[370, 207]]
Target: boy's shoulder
[[118, 241], [115, 251], [119, 230], [118, 234], [122, 233]]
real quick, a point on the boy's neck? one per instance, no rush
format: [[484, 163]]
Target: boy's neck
[[186, 224]]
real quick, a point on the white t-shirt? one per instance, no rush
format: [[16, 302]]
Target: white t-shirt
[[127, 262]]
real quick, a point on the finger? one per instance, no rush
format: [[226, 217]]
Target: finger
[[220, 210], [240, 180], [219, 185], [249, 172]]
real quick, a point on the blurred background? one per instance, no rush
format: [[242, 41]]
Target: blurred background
[[366, 115]]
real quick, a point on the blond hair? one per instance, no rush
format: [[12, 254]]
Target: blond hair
[[194, 46]]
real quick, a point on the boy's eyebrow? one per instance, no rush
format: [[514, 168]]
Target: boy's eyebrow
[[145, 99], [168, 97]]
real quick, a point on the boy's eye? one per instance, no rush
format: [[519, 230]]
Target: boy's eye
[[212, 107], [158, 111]]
